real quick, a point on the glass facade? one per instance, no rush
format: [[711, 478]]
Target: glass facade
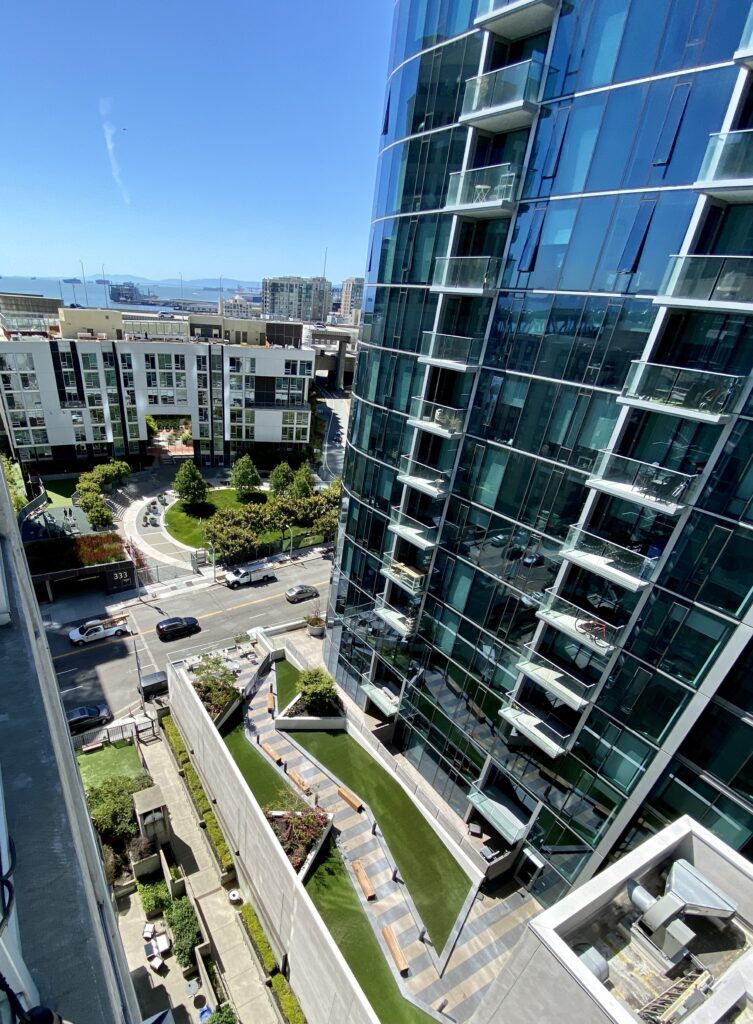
[[546, 542]]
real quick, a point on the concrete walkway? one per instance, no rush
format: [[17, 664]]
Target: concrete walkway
[[487, 927], [240, 973]]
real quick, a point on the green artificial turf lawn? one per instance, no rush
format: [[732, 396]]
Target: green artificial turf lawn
[[59, 492], [287, 683], [434, 878], [333, 895], [264, 782], [113, 759]]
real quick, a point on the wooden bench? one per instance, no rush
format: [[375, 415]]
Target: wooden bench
[[350, 798], [394, 947], [271, 752], [89, 748], [300, 782], [363, 880], [270, 702]]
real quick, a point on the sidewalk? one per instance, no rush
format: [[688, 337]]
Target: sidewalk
[[239, 970]]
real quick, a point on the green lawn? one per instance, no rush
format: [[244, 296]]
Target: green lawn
[[113, 759], [262, 779], [287, 683], [59, 491], [332, 892], [435, 879]]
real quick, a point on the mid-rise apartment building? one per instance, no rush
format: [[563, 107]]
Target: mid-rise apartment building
[[239, 307], [82, 390], [547, 546], [297, 298], [352, 296]]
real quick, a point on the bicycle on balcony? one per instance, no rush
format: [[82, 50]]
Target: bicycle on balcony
[[594, 629]]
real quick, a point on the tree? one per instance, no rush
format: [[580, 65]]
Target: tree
[[302, 485], [327, 523], [111, 805], [214, 683], [245, 477], [318, 692], [234, 533], [99, 514], [281, 478], [186, 437], [152, 426], [190, 484], [15, 483]]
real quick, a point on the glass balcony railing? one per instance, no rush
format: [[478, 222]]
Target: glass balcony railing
[[548, 738], [584, 626], [406, 576], [726, 280], [697, 394], [435, 417], [515, 19], [443, 349], [629, 569], [412, 530], [744, 53], [728, 165], [422, 478], [505, 98], [483, 188], [467, 273], [645, 483], [499, 812], [403, 623], [555, 680], [387, 701]]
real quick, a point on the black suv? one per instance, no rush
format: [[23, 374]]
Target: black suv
[[177, 628]]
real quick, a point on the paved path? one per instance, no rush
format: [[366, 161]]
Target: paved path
[[487, 927], [240, 972]]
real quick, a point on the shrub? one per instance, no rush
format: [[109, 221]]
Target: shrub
[[155, 897], [181, 918], [197, 791], [140, 848], [214, 683], [318, 692], [255, 932], [218, 841], [289, 1005], [98, 514], [223, 1016], [111, 805], [297, 832], [175, 740], [110, 864]]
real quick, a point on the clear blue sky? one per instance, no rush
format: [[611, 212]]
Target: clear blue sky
[[251, 131]]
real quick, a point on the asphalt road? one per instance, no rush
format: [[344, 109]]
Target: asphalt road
[[333, 452], [107, 670]]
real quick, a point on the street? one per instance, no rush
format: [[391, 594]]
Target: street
[[333, 452], [107, 670]]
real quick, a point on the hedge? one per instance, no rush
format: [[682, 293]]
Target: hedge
[[175, 740], [184, 925], [197, 791], [255, 932], [291, 1008], [155, 897], [217, 840]]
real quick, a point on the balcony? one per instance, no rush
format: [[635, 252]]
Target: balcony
[[555, 680], [515, 19], [381, 696], [503, 100], [708, 283], [421, 478], [626, 568], [402, 623], [450, 352], [466, 275], [484, 193], [727, 169], [499, 812], [549, 740], [405, 576], [692, 394], [652, 486], [585, 627], [443, 420], [415, 532], [744, 54]]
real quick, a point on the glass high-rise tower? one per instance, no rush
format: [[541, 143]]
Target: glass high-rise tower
[[544, 576]]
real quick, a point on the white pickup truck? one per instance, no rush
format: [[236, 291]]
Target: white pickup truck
[[250, 574], [97, 629]]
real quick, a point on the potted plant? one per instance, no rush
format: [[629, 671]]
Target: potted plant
[[315, 622]]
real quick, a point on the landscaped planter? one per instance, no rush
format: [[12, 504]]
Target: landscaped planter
[[316, 630], [124, 888], [303, 854], [146, 866], [176, 886], [288, 721]]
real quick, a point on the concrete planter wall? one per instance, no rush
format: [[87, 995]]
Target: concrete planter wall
[[176, 887], [200, 952], [307, 723], [226, 712], [124, 889], [146, 866], [303, 870]]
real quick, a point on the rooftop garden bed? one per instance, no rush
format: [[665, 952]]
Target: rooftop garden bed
[[214, 682], [267, 785], [62, 553], [424, 862], [298, 832], [317, 695]]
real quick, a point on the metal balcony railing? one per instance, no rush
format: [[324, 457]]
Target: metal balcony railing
[[681, 391]]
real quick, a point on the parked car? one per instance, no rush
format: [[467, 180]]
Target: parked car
[[152, 685], [89, 716], [301, 592], [98, 629], [177, 628], [261, 571]]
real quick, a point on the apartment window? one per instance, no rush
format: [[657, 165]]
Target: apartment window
[[89, 361], [180, 362], [126, 360], [631, 254], [291, 367], [150, 361], [165, 361]]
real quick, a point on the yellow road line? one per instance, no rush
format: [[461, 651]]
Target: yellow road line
[[207, 615]]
